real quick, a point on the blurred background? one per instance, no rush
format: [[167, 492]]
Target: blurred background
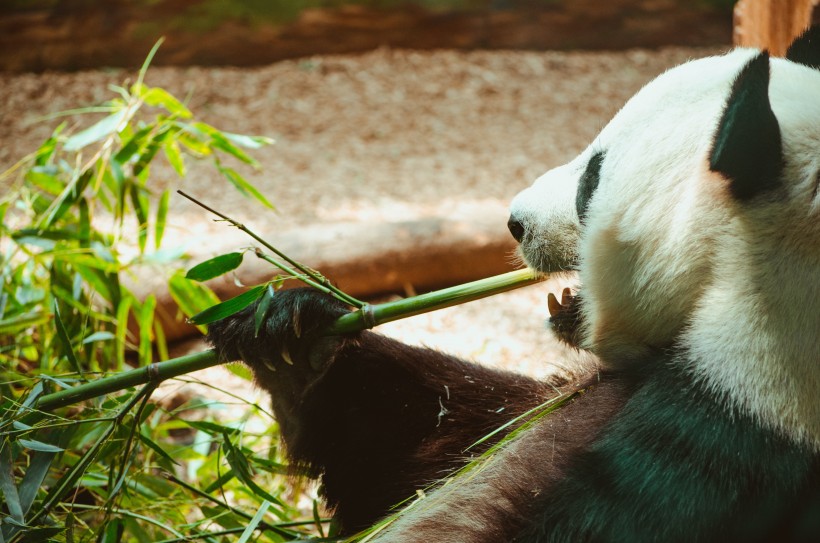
[[38, 35]]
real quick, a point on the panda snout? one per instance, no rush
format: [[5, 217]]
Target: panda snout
[[516, 228]]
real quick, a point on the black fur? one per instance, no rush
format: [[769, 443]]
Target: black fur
[[747, 146], [588, 184], [376, 419], [675, 466], [566, 323], [805, 49]]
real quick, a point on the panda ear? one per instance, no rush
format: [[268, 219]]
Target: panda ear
[[746, 148], [806, 48]]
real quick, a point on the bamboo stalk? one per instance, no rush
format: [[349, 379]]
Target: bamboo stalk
[[156, 372], [346, 324], [431, 301]]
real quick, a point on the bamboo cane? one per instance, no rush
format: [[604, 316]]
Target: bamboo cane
[[355, 321]]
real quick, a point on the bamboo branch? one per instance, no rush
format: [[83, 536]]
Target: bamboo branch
[[309, 272], [346, 324], [157, 372], [431, 301]]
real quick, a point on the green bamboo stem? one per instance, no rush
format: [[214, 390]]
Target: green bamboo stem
[[156, 372], [346, 324], [431, 301]]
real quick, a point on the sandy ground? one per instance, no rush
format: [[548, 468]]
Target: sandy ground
[[384, 136]]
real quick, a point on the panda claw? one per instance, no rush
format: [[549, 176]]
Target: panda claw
[[566, 296], [553, 305], [286, 356]]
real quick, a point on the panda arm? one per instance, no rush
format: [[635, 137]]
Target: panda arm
[[375, 418]]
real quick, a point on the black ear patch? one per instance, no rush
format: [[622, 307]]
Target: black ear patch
[[747, 147], [805, 49], [588, 184]]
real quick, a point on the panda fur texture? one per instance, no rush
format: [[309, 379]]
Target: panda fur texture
[[693, 221]]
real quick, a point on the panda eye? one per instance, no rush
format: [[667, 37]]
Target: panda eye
[[588, 184]]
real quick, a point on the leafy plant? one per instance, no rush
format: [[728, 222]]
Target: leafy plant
[[80, 214]]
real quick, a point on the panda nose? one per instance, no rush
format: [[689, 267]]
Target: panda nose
[[516, 228]]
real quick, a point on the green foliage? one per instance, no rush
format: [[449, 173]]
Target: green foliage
[[80, 215]]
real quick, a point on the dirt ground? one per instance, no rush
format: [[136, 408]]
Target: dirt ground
[[371, 139]]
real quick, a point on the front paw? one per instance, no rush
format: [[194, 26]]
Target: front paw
[[565, 317], [291, 334]]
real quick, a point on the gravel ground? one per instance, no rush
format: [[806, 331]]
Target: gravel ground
[[384, 136]]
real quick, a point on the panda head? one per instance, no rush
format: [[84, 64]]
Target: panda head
[[700, 193]]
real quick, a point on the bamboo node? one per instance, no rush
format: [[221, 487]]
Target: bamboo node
[[153, 374], [368, 316]]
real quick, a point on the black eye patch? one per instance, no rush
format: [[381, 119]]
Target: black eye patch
[[588, 184]]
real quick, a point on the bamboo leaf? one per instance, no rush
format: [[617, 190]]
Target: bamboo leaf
[[36, 391], [228, 307], [251, 142], [151, 444], [240, 370], [174, 155], [147, 154], [254, 523], [45, 178], [223, 516], [62, 334], [190, 296], [240, 466], [39, 534], [85, 223], [243, 186], [317, 519], [67, 198], [99, 336], [85, 260], [156, 96], [146, 323], [34, 477], [46, 150], [123, 309], [35, 445], [211, 428], [148, 59], [262, 310], [96, 132], [160, 342], [132, 145], [7, 485], [140, 202], [113, 531], [188, 138], [22, 321], [215, 267], [219, 141], [162, 214]]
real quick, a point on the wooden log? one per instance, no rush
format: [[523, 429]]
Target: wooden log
[[771, 24]]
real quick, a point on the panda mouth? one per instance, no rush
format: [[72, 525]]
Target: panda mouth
[[565, 316]]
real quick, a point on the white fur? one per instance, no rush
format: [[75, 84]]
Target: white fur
[[669, 257]]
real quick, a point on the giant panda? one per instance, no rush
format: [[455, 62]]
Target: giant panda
[[693, 221]]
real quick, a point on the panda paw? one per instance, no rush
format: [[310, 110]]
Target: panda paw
[[291, 336], [565, 317]]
